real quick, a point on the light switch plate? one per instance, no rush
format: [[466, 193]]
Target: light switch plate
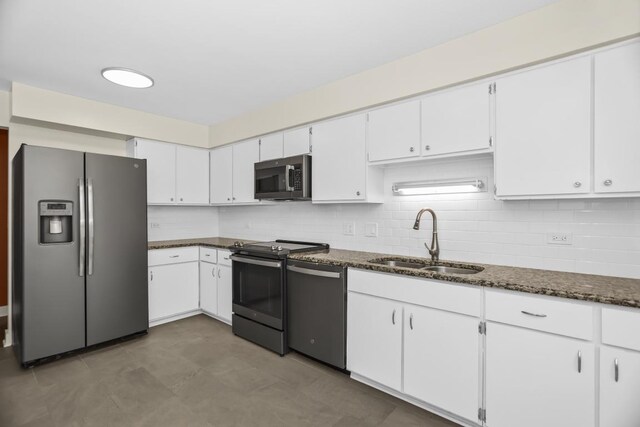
[[559, 238], [371, 229], [349, 228]]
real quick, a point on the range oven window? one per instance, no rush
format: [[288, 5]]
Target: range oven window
[[259, 288]]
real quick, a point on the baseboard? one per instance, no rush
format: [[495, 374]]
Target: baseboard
[[6, 342], [174, 318], [4, 311], [215, 316], [444, 414]]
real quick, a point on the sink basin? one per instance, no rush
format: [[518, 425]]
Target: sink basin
[[395, 263], [450, 270]]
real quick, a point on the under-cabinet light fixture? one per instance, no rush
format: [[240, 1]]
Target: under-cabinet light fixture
[[439, 186]]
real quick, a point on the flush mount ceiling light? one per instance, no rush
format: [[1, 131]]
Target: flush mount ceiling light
[[439, 186], [127, 77]]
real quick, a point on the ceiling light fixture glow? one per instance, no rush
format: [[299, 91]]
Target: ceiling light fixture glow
[[127, 77], [448, 186]]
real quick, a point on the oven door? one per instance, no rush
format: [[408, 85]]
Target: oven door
[[258, 289]]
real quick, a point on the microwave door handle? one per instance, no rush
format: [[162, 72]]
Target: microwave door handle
[[288, 169]]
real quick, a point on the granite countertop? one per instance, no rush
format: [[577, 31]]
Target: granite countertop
[[585, 287], [211, 242]]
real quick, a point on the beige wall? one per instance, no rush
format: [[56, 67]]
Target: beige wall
[[557, 30], [52, 107]]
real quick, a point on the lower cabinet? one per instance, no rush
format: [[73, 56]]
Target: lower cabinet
[[173, 290], [539, 379], [441, 359], [619, 387]]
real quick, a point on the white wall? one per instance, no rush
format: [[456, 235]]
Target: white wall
[[473, 227], [181, 222]]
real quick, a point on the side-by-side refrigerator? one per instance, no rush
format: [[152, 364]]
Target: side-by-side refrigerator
[[79, 250]]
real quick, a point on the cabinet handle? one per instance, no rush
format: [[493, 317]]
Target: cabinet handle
[[218, 273], [207, 254], [228, 199], [174, 256], [171, 199], [357, 193], [180, 198], [533, 314], [608, 182], [579, 361], [411, 321], [427, 147], [393, 317], [617, 369], [411, 149], [152, 276], [213, 272], [577, 184], [233, 198]]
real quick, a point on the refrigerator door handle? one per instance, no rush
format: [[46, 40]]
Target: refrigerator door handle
[[90, 220], [81, 208]]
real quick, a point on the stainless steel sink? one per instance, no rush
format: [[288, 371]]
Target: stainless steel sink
[[450, 270], [397, 263]]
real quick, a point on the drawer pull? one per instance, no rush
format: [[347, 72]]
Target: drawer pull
[[617, 369], [218, 273], [152, 276], [393, 317], [411, 321], [579, 361], [207, 254], [174, 256], [533, 314]]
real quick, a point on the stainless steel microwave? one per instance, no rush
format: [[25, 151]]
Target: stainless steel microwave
[[283, 179]]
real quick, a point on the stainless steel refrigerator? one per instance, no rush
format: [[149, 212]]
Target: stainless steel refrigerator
[[79, 250]]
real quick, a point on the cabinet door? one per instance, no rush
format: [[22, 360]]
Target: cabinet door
[[394, 132], [617, 120], [161, 170], [221, 175], [543, 131], [209, 287], [374, 339], [297, 142], [192, 182], [271, 147], [537, 379], [245, 156], [339, 164], [224, 292], [619, 399], [442, 365], [456, 121], [173, 289]]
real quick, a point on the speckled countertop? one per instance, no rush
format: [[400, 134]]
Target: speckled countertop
[[212, 242], [585, 287]]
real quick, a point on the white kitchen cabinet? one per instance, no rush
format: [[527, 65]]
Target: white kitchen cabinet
[[297, 141], [173, 290], [538, 379], [619, 392], [245, 155], [374, 339], [224, 286], [271, 147], [209, 287], [543, 131], [394, 132], [441, 359], [340, 172], [192, 175], [221, 186], [457, 121], [617, 120], [161, 168]]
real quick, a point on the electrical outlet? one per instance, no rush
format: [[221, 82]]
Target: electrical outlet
[[349, 228], [559, 239], [371, 229], [154, 225]]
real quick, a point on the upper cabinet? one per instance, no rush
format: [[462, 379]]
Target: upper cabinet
[[394, 132], [297, 141], [543, 131], [245, 155], [221, 175], [457, 120], [176, 174], [617, 120], [271, 147], [340, 172]]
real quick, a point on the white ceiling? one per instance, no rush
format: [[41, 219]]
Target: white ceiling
[[212, 59]]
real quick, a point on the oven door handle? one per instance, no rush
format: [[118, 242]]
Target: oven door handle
[[264, 263], [287, 172], [320, 273]]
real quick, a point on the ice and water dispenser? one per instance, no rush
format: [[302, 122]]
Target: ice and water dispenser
[[56, 221]]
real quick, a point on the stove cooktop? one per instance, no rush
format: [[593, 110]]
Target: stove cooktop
[[279, 248]]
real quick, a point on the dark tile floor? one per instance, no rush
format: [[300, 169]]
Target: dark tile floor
[[193, 372]]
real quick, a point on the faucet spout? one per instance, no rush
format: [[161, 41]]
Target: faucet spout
[[434, 250]]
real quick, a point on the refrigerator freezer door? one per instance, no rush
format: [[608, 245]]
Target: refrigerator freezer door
[[48, 289], [117, 290]]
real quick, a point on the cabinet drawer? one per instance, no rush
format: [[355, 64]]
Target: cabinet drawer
[[173, 255], [223, 257], [425, 292], [558, 317], [208, 254], [621, 328]]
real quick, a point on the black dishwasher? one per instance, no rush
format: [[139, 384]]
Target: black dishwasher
[[316, 309]]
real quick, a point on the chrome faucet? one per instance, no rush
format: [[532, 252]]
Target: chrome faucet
[[434, 251]]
